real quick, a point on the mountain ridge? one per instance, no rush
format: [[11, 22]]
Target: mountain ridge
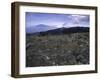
[[62, 30], [39, 28]]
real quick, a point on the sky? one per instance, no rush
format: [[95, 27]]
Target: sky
[[56, 20]]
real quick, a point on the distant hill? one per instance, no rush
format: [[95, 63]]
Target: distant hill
[[62, 30], [39, 28]]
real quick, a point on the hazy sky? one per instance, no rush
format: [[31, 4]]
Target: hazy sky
[[57, 20]]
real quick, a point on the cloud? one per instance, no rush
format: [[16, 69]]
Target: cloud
[[77, 20], [60, 20]]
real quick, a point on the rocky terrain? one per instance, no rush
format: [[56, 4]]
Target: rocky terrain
[[55, 50]]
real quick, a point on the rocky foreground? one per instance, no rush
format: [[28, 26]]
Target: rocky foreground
[[56, 50]]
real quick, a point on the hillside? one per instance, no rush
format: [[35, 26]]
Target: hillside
[[61, 31], [53, 50]]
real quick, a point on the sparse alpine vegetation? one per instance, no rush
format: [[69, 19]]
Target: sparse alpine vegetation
[[55, 50]]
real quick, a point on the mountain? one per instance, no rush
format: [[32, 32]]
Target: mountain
[[39, 28], [64, 30]]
